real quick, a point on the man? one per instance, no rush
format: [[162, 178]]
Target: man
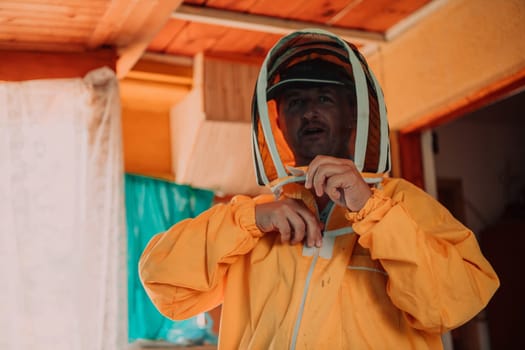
[[342, 257]]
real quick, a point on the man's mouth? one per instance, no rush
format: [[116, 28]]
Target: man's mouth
[[312, 130]]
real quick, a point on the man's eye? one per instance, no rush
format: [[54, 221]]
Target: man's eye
[[324, 99], [294, 102]]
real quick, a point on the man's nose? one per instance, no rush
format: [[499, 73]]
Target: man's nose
[[311, 110]]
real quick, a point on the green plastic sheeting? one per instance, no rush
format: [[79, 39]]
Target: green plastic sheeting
[[152, 206]]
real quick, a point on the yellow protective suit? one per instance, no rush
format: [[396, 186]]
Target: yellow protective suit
[[395, 275], [407, 273]]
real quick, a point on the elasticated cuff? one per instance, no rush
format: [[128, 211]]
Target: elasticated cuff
[[244, 212], [376, 200]]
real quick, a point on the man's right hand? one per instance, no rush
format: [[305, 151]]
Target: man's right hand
[[291, 219]]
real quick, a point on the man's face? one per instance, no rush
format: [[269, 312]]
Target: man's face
[[317, 120]]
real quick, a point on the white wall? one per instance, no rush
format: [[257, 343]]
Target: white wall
[[486, 149]]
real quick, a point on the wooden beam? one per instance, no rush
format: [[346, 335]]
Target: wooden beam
[[160, 78], [411, 158], [28, 65], [161, 72], [344, 11], [182, 61], [142, 32], [427, 163], [266, 24], [41, 46]]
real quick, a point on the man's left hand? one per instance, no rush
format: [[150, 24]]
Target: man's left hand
[[340, 180]]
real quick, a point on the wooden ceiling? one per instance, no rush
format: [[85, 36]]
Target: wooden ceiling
[[243, 28], [82, 25], [248, 28]]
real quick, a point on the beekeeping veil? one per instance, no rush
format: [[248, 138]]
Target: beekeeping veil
[[274, 162]]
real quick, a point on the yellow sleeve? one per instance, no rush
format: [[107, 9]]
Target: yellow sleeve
[[437, 274], [183, 270]]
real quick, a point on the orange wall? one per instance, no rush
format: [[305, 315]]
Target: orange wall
[[146, 125], [146, 142], [464, 46]]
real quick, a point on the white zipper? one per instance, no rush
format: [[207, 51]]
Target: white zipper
[[303, 300]]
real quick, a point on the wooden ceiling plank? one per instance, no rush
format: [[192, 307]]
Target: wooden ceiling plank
[[255, 53], [243, 5], [47, 36], [236, 41], [64, 2], [87, 5], [65, 9], [8, 15], [158, 16], [379, 15], [265, 24], [196, 38], [110, 23], [136, 22], [69, 2], [268, 40], [286, 9], [163, 38], [317, 11], [195, 2], [123, 22], [365, 15], [36, 22], [42, 46], [45, 29], [343, 12]]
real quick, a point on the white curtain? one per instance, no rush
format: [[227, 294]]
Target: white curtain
[[62, 234]]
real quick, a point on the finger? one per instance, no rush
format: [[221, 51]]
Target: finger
[[318, 183], [285, 230], [327, 171], [313, 229], [298, 227], [324, 165], [351, 192], [280, 224], [337, 187], [313, 166]]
